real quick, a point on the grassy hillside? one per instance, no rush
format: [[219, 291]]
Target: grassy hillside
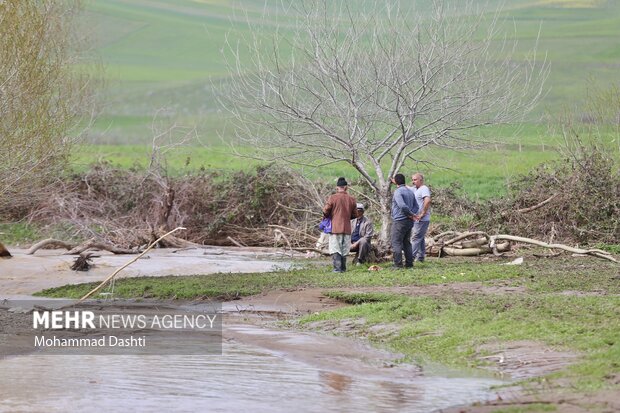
[[160, 57], [163, 55]]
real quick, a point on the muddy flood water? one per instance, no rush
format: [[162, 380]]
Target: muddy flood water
[[261, 369], [245, 377]]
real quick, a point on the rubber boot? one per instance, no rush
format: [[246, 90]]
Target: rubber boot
[[343, 264], [336, 259]]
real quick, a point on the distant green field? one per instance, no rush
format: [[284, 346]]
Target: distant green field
[[164, 55], [482, 175], [162, 59]]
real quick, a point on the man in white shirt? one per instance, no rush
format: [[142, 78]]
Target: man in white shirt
[[422, 218]]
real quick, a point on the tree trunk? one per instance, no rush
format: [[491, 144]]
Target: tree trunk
[[385, 200]]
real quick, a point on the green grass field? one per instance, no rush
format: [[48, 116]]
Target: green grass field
[[483, 175], [161, 60]]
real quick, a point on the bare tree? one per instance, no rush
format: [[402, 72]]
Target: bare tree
[[372, 88], [42, 95]]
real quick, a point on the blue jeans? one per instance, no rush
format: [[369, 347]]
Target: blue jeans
[[401, 235], [417, 239]]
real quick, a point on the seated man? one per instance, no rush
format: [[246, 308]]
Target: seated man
[[361, 235]]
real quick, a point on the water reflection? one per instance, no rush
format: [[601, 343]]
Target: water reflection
[[243, 378], [335, 381]]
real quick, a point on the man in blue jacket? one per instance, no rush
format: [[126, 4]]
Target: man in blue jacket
[[404, 208]]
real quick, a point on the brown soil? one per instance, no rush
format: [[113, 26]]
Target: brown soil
[[564, 401], [524, 359], [284, 303]]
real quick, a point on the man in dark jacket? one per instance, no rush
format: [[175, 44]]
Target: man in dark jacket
[[341, 208], [404, 208], [361, 235]]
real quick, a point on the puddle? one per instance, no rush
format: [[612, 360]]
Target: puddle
[[244, 377]]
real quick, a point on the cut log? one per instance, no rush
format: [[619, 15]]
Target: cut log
[[466, 235], [475, 243], [436, 238], [472, 252]]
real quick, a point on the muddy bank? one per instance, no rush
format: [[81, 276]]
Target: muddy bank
[[516, 360], [510, 360]]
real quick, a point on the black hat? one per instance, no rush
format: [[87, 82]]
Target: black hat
[[342, 182]]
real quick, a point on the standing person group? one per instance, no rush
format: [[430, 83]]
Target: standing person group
[[341, 208], [411, 215], [352, 231]]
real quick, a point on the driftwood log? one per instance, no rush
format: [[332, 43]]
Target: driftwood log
[[459, 244], [593, 252], [168, 241], [93, 244], [104, 282], [49, 243]]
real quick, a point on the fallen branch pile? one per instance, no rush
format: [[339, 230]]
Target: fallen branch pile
[[476, 243], [463, 244], [122, 211], [575, 200]]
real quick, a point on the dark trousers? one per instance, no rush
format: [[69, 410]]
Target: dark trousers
[[362, 250], [401, 242]]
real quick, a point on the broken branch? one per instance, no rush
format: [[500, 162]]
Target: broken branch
[[539, 205], [49, 243], [104, 282], [592, 252]]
